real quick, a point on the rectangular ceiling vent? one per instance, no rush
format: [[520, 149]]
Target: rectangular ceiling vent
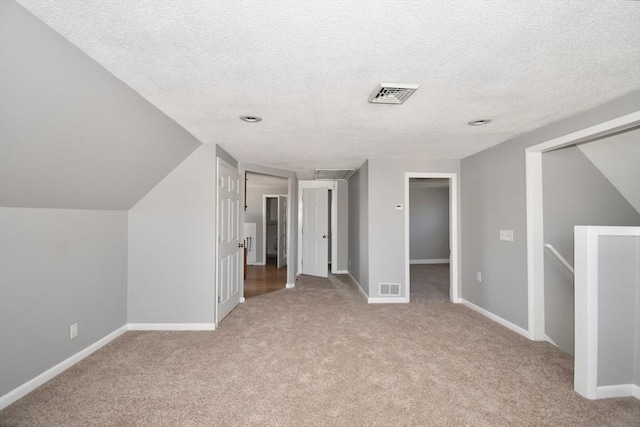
[[392, 93], [390, 289], [331, 174]]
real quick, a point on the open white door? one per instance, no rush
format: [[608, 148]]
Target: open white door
[[315, 224], [229, 240], [282, 231]]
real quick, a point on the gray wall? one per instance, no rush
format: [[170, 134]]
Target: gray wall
[[359, 226], [429, 222], [73, 135], [387, 261], [618, 310], [57, 267], [172, 246], [342, 188], [254, 211], [575, 193], [493, 198]]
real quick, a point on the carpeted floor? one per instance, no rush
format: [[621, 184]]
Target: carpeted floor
[[318, 355]]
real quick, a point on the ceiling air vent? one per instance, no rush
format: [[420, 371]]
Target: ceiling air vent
[[392, 93], [330, 174]]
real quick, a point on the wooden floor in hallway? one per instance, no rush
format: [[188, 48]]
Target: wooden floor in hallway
[[262, 279]]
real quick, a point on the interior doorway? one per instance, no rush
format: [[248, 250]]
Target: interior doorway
[[266, 228], [429, 232], [434, 235]]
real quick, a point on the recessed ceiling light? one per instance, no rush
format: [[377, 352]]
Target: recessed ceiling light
[[251, 119], [479, 122]]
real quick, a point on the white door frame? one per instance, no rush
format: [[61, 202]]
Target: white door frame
[[454, 285], [331, 185], [535, 217], [264, 224]]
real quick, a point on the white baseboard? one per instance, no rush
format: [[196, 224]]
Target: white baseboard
[[47, 375], [172, 326], [340, 272], [364, 294], [290, 285], [242, 299], [548, 339], [497, 318], [429, 261], [621, 390], [262, 263], [387, 300]]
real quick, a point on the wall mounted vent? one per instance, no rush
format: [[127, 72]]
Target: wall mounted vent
[[331, 174], [390, 289], [392, 93]]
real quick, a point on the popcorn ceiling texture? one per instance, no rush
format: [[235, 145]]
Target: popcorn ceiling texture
[[308, 68]]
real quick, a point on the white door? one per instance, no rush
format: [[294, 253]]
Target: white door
[[249, 242], [229, 240], [315, 224], [282, 231]]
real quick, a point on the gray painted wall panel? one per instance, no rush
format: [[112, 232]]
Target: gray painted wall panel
[[57, 267], [429, 222], [72, 134], [575, 193], [172, 246], [359, 226], [386, 224], [493, 198], [618, 310], [342, 187]]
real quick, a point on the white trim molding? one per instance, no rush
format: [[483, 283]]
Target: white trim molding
[[290, 285], [340, 272], [364, 294], [172, 326], [49, 374], [621, 390], [497, 319], [535, 218], [430, 261], [388, 300]]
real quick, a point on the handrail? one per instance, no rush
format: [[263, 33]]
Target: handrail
[[560, 257]]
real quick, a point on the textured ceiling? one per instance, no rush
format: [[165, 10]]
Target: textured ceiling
[[308, 68]]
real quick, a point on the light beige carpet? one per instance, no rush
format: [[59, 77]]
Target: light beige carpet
[[318, 355]]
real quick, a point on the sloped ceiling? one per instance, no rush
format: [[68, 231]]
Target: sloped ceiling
[[71, 134], [308, 68], [618, 158]]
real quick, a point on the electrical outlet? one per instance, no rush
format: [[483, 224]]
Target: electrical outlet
[[506, 235], [479, 276], [73, 331]]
